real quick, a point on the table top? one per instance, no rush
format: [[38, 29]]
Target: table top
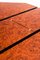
[[19, 32]]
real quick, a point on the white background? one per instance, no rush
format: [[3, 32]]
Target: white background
[[32, 2]]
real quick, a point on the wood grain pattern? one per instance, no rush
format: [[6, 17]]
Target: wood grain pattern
[[30, 20], [15, 28], [29, 49], [8, 9]]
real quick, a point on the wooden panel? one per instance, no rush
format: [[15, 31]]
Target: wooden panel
[[15, 28], [10, 32], [30, 20], [27, 50], [8, 9]]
